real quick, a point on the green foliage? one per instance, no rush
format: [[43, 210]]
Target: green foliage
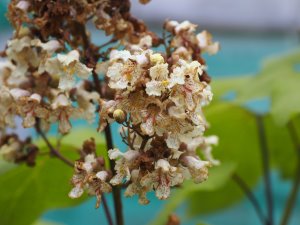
[[5, 166], [279, 80], [281, 147], [28, 192]]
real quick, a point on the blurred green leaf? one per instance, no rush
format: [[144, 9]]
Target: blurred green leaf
[[279, 80], [222, 86], [237, 131], [28, 192], [281, 147], [5, 166]]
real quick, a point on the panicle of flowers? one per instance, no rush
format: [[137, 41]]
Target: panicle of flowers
[[36, 83], [159, 100], [51, 73], [90, 174]]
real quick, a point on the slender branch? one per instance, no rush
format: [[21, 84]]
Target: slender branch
[[53, 151], [116, 190], [244, 187], [266, 167], [57, 154], [296, 185], [106, 211], [113, 40]]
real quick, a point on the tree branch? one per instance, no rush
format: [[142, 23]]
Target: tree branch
[[116, 190], [53, 151]]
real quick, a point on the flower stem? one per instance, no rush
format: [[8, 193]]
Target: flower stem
[[53, 151], [296, 185], [244, 187], [106, 211], [265, 166], [116, 190], [57, 154]]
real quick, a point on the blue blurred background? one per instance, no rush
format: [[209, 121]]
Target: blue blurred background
[[249, 31]]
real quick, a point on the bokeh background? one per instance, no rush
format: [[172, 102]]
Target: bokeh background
[[249, 32]]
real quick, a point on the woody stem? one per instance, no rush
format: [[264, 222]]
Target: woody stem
[[116, 190], [57, 154]]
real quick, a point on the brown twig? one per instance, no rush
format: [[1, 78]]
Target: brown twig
[[53, 151], [116, 190], [106, 211]]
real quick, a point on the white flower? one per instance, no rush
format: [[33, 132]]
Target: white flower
[[185, 26], [66, 67], [18, 93], [122, 55], [62, 111], [135, 188], [89, 160], [23, 5], [114, 153], [102, 175], [164, 165], [76, 192], [123, 164], [87, 102], [21, 52], [197, 168], [159, 79], [206, 44]]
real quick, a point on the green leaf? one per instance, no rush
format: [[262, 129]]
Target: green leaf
[[5, 166], [28, 192], [237, 132], [218, 177], [282, 149], [222, 86], [279, 80]]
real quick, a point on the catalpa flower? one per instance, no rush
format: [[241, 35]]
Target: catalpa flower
[[66, 67], [86, 101], [88, 178], [159, 74], [206, 44], [62, 111], [123, 164], [163, 178]]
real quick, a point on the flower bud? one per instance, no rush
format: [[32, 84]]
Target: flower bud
[[119, 115]]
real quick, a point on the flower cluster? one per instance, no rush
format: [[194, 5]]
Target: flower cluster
[[90, 174], [36, 84], [51, 72], [159, 100], [17, 151]]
